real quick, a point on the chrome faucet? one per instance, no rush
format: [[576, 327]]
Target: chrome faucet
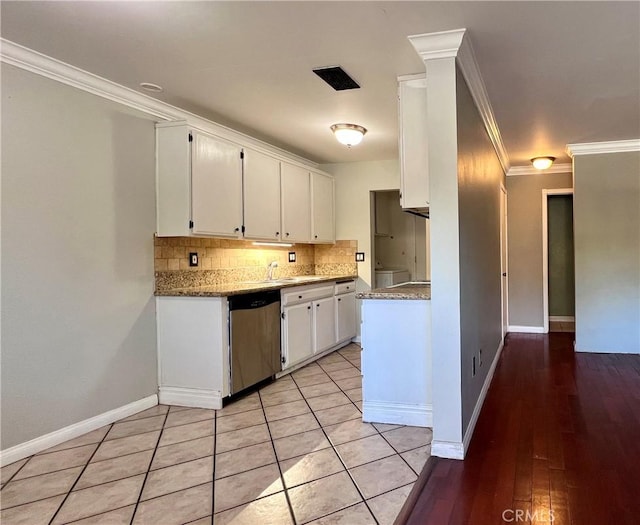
[[272, 266]]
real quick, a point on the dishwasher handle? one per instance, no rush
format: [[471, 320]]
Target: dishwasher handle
[[250, 301]]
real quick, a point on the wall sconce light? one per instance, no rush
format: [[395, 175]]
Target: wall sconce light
[[348, 134], [542, 163]]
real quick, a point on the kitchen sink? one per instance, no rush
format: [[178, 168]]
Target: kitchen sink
[[297, 279]]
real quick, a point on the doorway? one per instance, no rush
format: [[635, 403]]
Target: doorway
[[558, 261]]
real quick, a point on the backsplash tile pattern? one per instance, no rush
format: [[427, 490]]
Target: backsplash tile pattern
[[229, 260]]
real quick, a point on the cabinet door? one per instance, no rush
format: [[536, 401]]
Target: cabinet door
[[296, 330], [322, 202], [296, 200], [216, 187], [346, 316], [414, 177], [324, 325], [261, 189]]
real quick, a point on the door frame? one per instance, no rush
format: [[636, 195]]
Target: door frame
[[504, 270], [545, 251]]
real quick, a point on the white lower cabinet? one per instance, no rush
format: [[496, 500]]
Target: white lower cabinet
[[345, 316], [296, 334], [324, 324]]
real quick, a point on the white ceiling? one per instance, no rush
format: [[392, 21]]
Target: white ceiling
[[555, 72]]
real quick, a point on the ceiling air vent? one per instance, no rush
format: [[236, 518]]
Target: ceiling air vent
[[336, 78]]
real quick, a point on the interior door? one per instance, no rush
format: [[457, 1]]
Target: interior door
[[504, 260]]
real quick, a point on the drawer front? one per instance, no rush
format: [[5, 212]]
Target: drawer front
[[345, 287], [306, 295]]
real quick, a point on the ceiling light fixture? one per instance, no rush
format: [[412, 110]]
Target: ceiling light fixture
[[151, 88], [348, 134], [542, 163]]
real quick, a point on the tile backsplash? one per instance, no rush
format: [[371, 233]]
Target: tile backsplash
[[229, 260]]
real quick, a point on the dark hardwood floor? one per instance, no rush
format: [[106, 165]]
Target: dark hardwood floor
[[557, 441]]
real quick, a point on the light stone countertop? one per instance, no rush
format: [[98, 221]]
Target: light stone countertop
[[228, 289], [410, 291]]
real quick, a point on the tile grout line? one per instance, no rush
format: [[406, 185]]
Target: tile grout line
[[79, 476], [213, 475], [275, 454], [144, 482], [340, 459], [16, 472]]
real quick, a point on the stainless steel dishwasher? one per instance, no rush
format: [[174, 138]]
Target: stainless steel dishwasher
[[254, 338]]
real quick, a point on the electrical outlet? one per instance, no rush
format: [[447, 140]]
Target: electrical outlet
[[473, 366], [193, 259], [480, 357], [359, 256], [292, 256]]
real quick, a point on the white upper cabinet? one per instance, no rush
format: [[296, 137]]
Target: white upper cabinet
[[198, 184], [322, 208], [261, 196], [216, 180], [296, 203], [414, 175]]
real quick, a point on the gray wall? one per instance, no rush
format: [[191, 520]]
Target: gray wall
[[607, 252], [562, 291], [479, 177], [78, 216], [524, 232]]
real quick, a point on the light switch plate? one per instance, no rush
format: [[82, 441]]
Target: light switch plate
[[292, 256], [359, 256], [193, 259]]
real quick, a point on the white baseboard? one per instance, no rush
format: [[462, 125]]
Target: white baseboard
[[483, 393], [526, 329], [357, 339], [190, 397], [447, 449], [562, 318], [397, 414], [56, 437]]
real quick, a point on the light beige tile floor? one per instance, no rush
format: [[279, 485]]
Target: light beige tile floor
[[294, 452]]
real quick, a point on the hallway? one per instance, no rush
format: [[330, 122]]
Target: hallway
[[558, 441]]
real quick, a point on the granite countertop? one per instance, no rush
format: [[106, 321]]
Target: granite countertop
[[411, 291], [227, 289]]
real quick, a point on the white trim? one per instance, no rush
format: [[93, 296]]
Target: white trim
[[515, 171], [562, 318], [397, 414], [447, 449], [453, 44], [526, 329], [43, 65], [190, 397], [483, 394], [29, 448], [545, 251], [596, 148]]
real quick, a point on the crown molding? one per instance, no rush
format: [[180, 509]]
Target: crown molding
[[45, 66], [530, 170], [595, 148], [456, 44]]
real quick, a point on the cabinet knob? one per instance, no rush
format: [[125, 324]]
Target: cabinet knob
[[339, 299], [277, 233], [308, 308], [299, 297], [316, 236], [237, 230], [318, 305], [287, 234]]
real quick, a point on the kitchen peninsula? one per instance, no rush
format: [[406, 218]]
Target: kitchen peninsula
[[396, 355]]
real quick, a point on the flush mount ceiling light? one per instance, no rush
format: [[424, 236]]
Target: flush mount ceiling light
[[151, 88], [542, 163], [348, 134]]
